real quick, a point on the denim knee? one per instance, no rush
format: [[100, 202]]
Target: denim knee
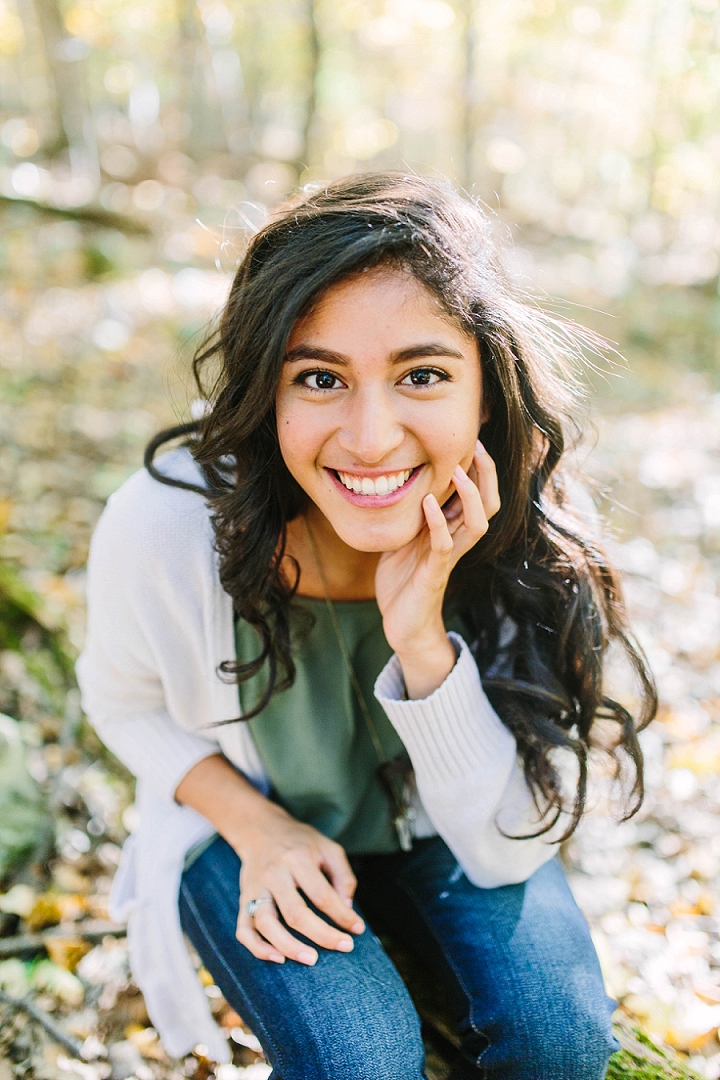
[[380, 1050], [570, 1042]]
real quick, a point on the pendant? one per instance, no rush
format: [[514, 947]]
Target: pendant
[[403, 825]]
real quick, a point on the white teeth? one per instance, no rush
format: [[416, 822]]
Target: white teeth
[[380, 485]]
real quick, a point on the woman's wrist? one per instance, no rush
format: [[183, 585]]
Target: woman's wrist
[[426, 665], [261, 819], [238, 811]]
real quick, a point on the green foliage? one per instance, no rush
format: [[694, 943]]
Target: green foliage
[[22, 630], [22, 811], [626, 1066], [97, 263], [17, 609], [641, 1059]]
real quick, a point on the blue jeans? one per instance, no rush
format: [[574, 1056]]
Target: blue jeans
[[516, 965]]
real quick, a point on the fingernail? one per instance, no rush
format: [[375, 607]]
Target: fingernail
[[481, 448], [348, 901], [277, 958], [358, 927], [307, 957], [345, 945]]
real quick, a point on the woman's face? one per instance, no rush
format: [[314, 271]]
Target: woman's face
[[379, 401]]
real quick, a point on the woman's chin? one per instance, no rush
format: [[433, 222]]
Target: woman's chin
[[376, 539]]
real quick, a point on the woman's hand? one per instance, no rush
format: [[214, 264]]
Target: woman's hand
[[279, 857], [284, 861], [410, 583]]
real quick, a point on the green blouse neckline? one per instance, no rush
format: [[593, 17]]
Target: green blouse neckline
[[312, 738]]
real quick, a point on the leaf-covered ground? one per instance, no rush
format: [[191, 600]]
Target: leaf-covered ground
[[95, 332]]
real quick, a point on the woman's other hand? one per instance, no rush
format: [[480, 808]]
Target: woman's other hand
[[410, 583], [282, 861]]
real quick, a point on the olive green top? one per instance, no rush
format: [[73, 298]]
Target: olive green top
[[313, 740]]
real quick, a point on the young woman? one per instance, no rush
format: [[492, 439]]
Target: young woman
[[411, 620]]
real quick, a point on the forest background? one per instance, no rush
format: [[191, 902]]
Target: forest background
[[140, 144]]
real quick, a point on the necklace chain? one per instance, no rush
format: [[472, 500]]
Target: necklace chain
[[367, 717], [396, 774]]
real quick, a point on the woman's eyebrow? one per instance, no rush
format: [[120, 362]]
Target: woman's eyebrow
[[430, 348], [413, 352]]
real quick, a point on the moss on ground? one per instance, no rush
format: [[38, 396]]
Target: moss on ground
[[641, 1059], [626, 1066]]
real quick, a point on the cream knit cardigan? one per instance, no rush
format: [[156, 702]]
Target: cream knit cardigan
[[159, 624]]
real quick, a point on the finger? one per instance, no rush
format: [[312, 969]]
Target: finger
[[441, 541], [336, 866], [281, 940], [487, 481], [299, 917], [474, 520], [246, 935], [320, 892]]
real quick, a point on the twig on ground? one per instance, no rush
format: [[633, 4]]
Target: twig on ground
[[25, 1005], [32, 944]]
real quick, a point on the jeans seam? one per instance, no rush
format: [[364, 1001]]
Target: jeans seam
[[202, 926], [471, 1011]]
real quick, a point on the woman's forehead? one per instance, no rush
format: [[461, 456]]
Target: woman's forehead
[[381, 301]]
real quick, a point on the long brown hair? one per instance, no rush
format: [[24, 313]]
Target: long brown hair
[[540, 602]]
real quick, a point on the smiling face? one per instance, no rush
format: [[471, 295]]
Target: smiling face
[[379, 401]]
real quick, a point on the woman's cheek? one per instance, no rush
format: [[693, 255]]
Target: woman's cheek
[[297, 444], [457, 452]]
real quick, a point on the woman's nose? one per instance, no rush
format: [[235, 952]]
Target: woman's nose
[[372, 429]]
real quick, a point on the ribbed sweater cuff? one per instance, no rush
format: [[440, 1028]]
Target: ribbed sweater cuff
[[455, 730]]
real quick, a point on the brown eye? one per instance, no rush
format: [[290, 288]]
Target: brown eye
[[424, 377], [319, 380]]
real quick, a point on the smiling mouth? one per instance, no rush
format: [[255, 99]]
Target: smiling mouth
[[374, 485]]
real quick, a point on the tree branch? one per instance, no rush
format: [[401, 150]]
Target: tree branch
[[27, 1006], [28, 945], [94, 215]]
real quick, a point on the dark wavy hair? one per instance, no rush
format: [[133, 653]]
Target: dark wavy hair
[[538, 569]]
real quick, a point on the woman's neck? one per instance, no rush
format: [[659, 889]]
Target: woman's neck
[[349, 574]]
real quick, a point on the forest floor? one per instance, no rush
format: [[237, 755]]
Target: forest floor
[[91, 327]]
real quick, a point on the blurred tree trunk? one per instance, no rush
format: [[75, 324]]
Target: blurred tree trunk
[[68, 97], [468, 117], [189, 44], [206, 135], [305, 153]]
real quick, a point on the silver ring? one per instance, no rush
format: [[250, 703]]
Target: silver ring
[[252, 905]]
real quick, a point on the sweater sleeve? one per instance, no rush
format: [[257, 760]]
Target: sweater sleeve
[[468, 774], [155, 749], [135, 602]]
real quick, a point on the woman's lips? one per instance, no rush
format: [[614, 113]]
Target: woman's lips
[[375, 501]]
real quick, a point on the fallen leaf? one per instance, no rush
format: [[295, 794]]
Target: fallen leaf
[[67, 952]]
